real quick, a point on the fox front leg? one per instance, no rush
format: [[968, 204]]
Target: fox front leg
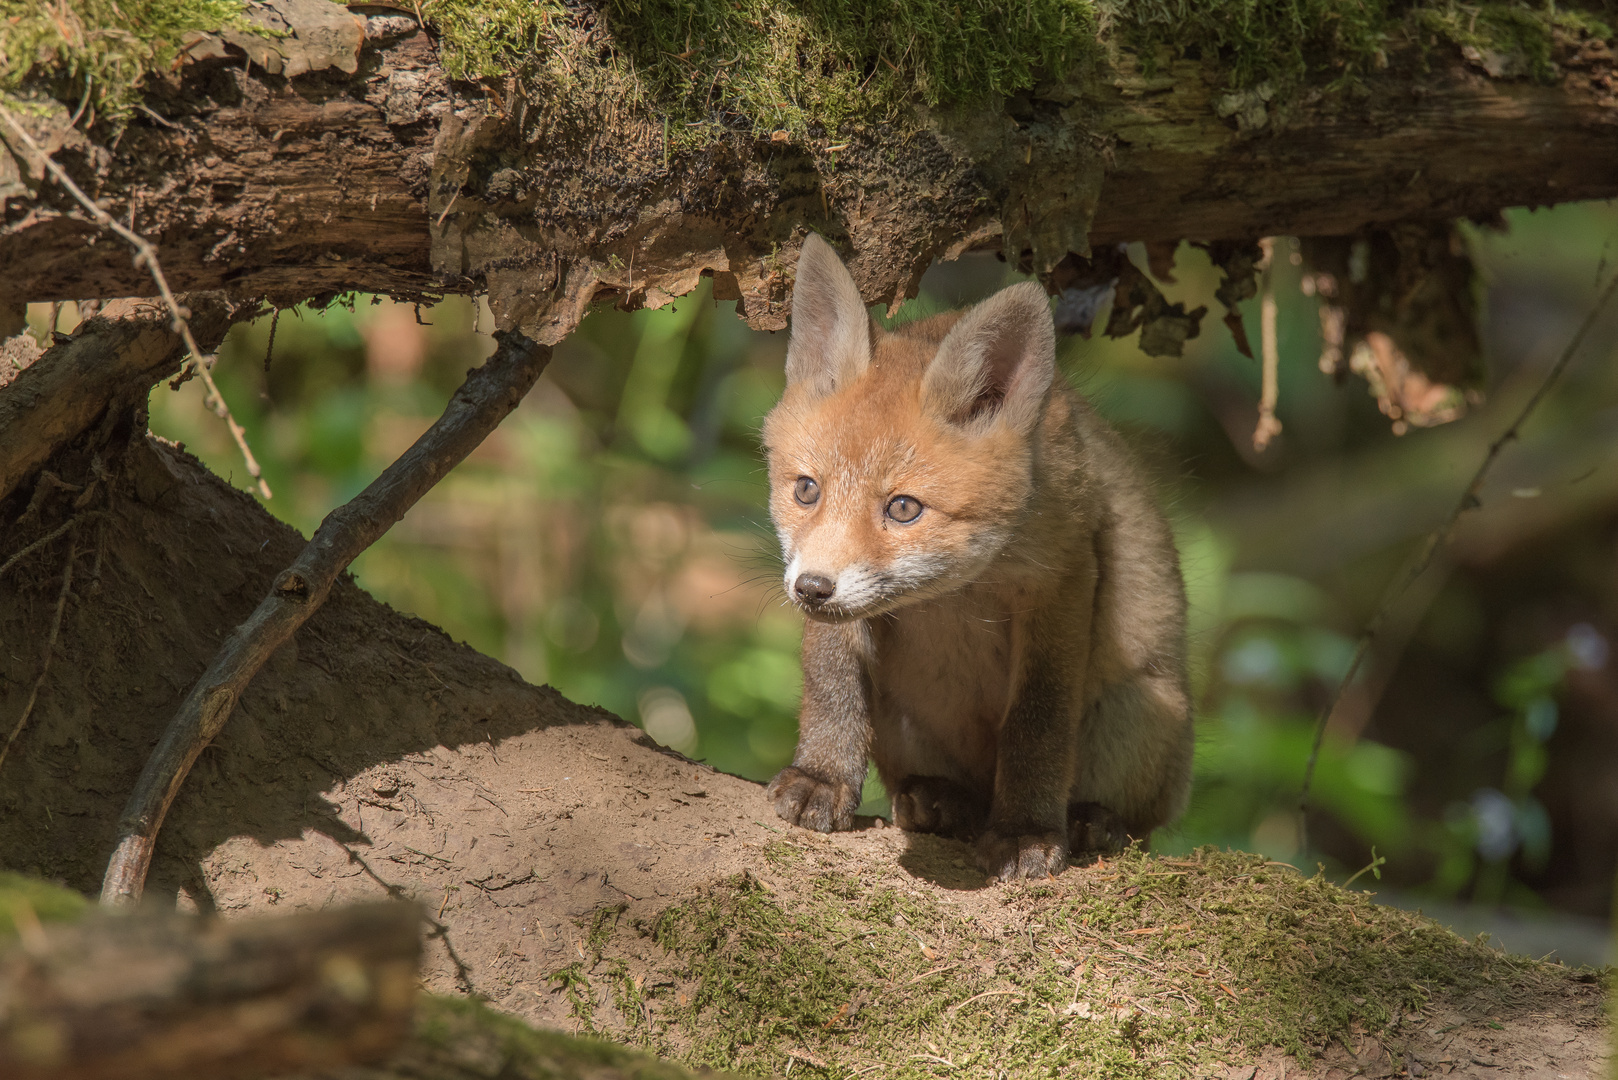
[[1037, 756], [820, 790]]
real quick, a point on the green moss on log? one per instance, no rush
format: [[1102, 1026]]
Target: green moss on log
[[814, 66], [98, 52]]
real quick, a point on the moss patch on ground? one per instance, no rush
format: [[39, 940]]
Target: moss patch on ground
[[455, 1037], [28, 900], [1135, 967]]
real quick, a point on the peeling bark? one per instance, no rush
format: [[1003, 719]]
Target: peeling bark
[[109, 362], [394, 180]]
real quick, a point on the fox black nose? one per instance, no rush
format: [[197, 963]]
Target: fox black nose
[[814, 589]]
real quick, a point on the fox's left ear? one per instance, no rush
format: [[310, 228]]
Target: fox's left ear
[[997, 361]]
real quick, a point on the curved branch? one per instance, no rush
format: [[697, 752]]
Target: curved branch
[[487, 397]]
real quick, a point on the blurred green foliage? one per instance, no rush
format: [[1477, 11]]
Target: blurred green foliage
[[611, 539]]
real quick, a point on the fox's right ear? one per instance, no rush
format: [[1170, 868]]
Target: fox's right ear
[[830, 344]]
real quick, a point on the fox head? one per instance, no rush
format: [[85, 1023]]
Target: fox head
[[901, 463]]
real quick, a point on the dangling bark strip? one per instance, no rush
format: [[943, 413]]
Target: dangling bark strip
[[489, 394], [1436, 543]]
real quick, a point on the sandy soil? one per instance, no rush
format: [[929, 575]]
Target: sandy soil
[[375, 756]]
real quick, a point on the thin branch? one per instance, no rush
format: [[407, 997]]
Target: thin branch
[[487, 397], [50, 650], [1438, 540], [146, 254]]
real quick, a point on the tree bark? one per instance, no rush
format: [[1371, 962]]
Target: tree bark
[[116, 356], [131, 998], [395, 180]]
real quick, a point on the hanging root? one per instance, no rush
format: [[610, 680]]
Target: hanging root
[[1268, 426], [50, 642]]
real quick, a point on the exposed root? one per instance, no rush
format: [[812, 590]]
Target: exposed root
[[50, 642]]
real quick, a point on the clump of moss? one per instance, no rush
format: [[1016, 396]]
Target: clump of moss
[[28, 898], [1522, 37], [456, 1037], [99, 51], [1278, 41], [1124, 969], [813, 67]]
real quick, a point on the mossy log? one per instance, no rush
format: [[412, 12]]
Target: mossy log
[[129, 998], [373, 170]]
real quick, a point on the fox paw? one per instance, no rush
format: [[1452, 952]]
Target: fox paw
[[932, 804], [804, 799], [1009, 856], [1093, 827]]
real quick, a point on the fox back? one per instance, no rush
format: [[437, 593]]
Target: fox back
[[993, 603]]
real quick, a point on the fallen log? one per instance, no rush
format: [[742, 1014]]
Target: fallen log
[[127, 998]]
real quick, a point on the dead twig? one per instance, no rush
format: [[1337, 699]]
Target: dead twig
[[50, 649], [488, 395], [1437, 541], [146, 254]]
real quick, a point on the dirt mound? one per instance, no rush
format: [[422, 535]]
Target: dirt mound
[[566, 862]]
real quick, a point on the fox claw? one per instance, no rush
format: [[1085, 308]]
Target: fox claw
[[1026, 855], [803, 799]]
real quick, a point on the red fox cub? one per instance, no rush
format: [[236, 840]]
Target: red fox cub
[[994, 610]]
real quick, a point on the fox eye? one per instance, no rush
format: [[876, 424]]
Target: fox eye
[[904, 509], [806, 491]]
